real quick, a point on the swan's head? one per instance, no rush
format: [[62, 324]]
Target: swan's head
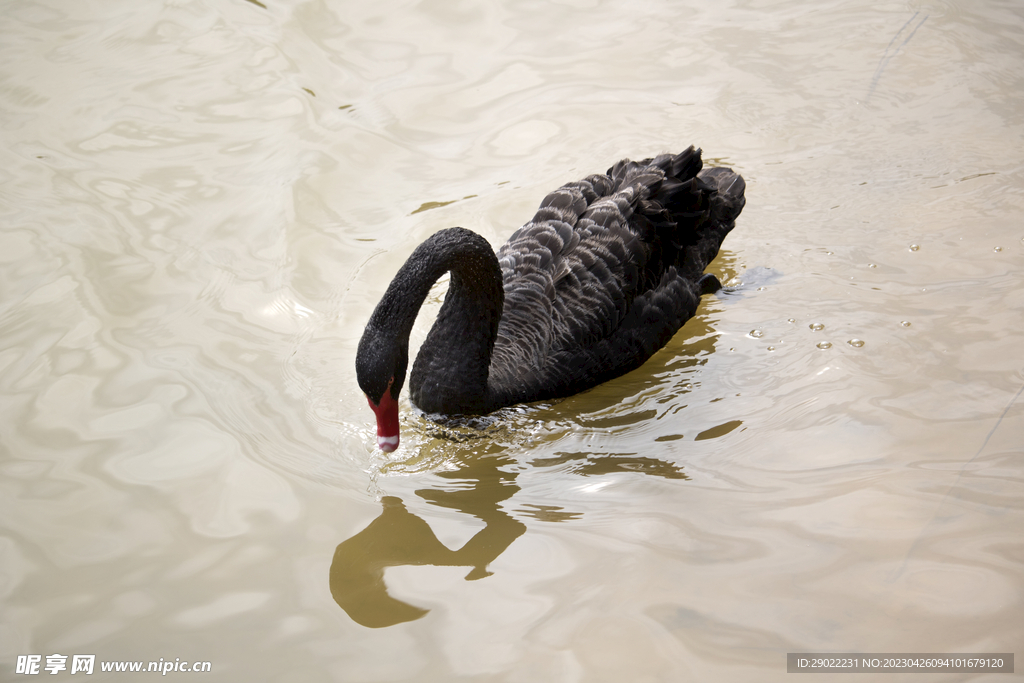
[[380, 371]]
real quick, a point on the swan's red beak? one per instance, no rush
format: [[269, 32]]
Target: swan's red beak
[[387, 421]]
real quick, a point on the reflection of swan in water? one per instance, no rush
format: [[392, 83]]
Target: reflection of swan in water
[[399, 537]]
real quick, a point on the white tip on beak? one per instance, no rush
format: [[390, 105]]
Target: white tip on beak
[[387, 443]]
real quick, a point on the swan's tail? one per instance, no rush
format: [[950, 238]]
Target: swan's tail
[[727, 194], [686, 200], [702, 205], [681, 210]]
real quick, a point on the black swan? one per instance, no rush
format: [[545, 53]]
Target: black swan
[[601, 278]]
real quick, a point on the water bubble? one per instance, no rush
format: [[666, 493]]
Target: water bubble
[[817, 327], [790, 320], [824, 345], [905, 323], [829, 252], [756, 334], [914, 247], [872, 265], [771, 348], [998, 249], [856, 343]]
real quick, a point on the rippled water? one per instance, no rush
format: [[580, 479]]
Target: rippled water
[[202, 202]]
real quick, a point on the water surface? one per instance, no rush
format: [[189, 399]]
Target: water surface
[[202, 201]]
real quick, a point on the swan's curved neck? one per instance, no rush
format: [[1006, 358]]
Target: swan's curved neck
[[451, 371]]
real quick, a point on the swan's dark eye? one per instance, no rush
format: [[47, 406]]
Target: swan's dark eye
[[387, 390]]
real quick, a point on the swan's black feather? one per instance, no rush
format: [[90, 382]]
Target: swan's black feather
[[600, 302]]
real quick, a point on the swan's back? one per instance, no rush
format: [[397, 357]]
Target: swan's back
[[607, 271]]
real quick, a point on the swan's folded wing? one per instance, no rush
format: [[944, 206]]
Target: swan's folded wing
[[532, 261], [570, 276], [607, 271]]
